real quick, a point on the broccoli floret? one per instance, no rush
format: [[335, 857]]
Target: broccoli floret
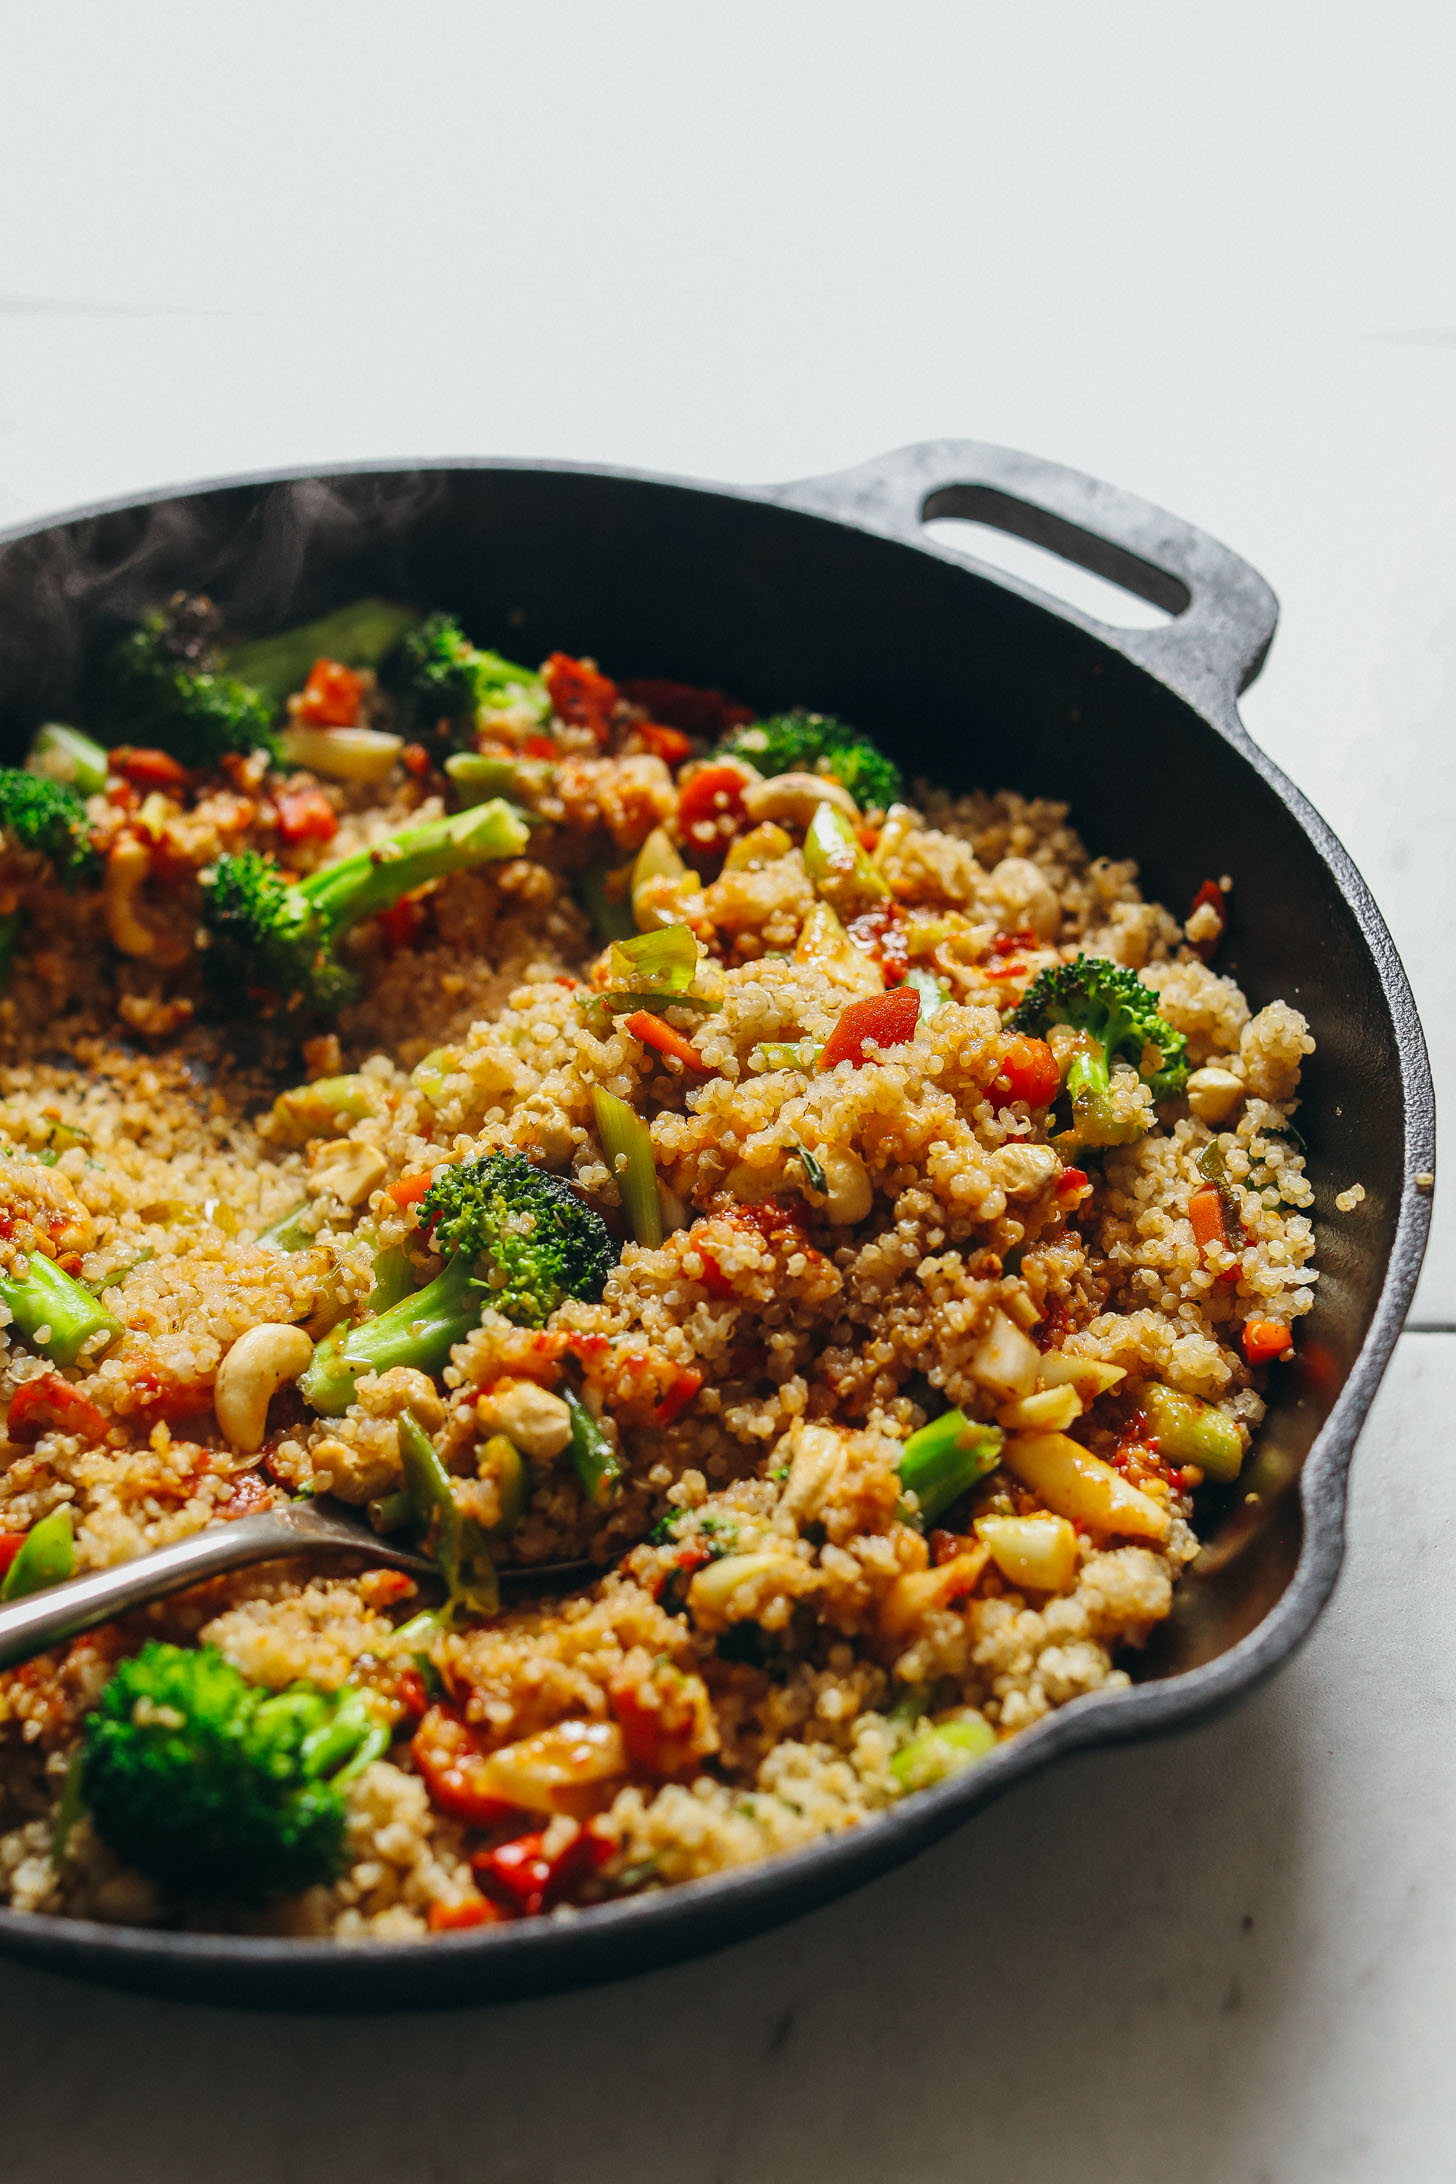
[[270, 935], [49, 817], [803, 742], [211, 1785], [1119, 1017], [519, 1239], [442, 683], [163, 687]]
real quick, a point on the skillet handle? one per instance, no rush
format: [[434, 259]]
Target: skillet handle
[[1223, 611]]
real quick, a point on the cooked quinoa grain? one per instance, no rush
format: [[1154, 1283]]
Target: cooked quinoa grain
[[923, 1305]]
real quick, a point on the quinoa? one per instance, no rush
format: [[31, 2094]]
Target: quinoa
[[768, 1625]]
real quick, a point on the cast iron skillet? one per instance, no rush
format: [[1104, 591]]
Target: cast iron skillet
[[829, 593]]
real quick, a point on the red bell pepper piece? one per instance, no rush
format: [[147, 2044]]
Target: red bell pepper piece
[[887, 1019], [331, 696], [580, 694], [306, 815], [652, 1031], [451, 1762], [1030, 1070], [49, 1404], [1266, 1339]]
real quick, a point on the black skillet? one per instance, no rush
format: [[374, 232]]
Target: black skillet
[[829, 593]]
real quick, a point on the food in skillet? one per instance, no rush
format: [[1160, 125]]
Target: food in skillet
[[579, 1119]]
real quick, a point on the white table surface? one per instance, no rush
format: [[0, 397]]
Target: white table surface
[[1205, 253]]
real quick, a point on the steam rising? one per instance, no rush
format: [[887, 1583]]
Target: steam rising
[[269, 554]]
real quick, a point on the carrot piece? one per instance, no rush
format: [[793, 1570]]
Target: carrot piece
[[887, 1019], [1205, 1211], [1266, 1339], [450, 1918], [410, 1189], [331, 695], [1030, 1069], [652, 1031]]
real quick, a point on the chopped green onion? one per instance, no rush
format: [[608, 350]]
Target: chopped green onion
[[627, 1143], [359, 635], [945, 1458], [47, 1557], [477, 776], [785, 1054], [71, 1806], [502, 1461], [593, 1458], [813, 1168], [287, 1233], [390, 1512], [605, 895], [836, 862], [460, 1546], [59, 753], [663, 961], [943, 1750], [933, 991], [119, 1273], [1188, 1431]]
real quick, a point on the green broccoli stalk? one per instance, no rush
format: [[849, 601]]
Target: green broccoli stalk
[[266, 934], [1119, 1021], [164, 687], [517, 1237], [360, 635], [442, 683], [49, 818], [54, 1314], [213, 1786], [802, 742]]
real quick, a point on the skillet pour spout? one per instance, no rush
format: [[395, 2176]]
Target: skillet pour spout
[[829, 592]]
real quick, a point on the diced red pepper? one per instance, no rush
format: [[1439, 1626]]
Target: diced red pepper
[[331, 696], [886, 1019], [710, 808], [652, 1031], [251, 1492], [526, 1878], [453, 1918], [147, 769], [539, 747], [705, 713], [415, 760], [1030, 1070], [306, 815], [402, 923], [410, 1690], [1266, 1339], [1213, 895], [49, 1404], [880, 934], [678, 1396], [10, 1546], [451, 1763], [580, 694], [1072, 1186], [410, 1189], [1014, 943], [668, 744]]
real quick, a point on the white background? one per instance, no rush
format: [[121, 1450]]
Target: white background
[[1204, 252]]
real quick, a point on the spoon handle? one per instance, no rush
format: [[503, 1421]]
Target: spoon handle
[[29, 1625]]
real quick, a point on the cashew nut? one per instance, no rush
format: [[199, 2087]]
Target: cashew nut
[[1213, 1094], [1023, 1170], [536, 1420], [347, 1171], [796, 797], [848, 1191], [127, 864], [255, 1368]]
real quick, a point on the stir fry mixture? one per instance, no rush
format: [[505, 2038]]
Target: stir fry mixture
[[577, 1121]]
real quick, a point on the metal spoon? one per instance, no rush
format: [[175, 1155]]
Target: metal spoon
[[42, 1619]]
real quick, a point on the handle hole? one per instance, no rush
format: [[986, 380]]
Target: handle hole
[[1089, 573]]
